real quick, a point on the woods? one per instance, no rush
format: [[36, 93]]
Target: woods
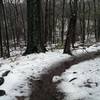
[[49, 49], [63, 24]]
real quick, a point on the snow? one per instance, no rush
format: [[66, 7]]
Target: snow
[[81, 50], [81, 81], [24, 68]]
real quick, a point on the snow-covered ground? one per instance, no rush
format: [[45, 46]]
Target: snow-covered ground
[[23, 68], [81, 81]]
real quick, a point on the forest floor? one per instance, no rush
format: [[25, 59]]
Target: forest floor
[[46, 87], [81, 81], [33, 76]]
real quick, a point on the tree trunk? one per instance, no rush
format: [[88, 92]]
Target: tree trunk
[[5, 23], [46, 21], [83, 22], [95, 21], [62, 32], [71, 27], [1, 46], [34, 43], [53, 34]]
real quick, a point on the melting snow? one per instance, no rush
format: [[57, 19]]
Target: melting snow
[[85, 81], [24, 68]]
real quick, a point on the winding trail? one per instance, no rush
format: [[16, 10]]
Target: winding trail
[[45, 89]]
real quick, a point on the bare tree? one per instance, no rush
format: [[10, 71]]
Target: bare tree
[[63, 21], [34, 43], [70, 38], [53, 24], [5, 23]]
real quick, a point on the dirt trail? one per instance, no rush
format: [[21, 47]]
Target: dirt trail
[[45, 89]]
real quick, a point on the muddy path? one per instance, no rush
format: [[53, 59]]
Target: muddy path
[[45, 89]]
